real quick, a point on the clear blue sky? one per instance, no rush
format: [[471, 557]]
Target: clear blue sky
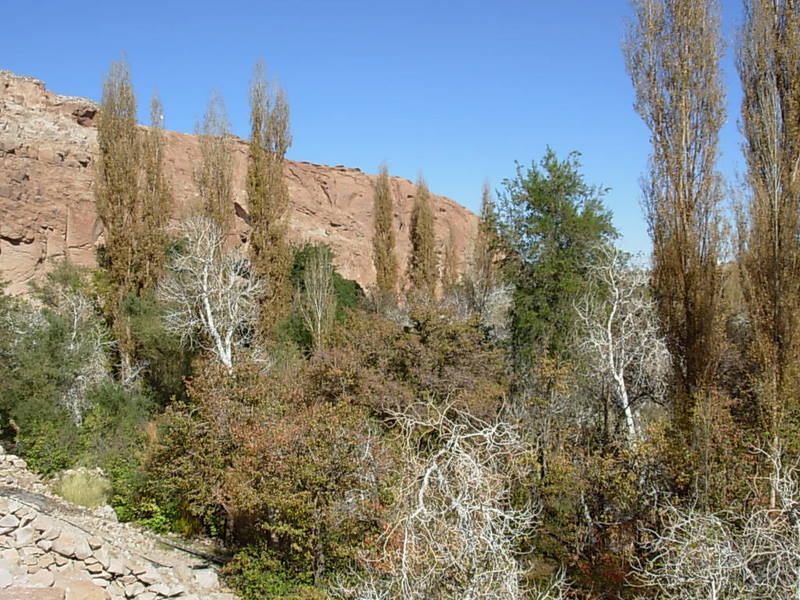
[[455, 90]]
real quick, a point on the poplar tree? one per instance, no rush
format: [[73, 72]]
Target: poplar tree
[[769, 251], [133, 199], [422, 267], [383, 241], [268, 196], [483, 269], [450, 266], [156, 199], [213, 176], [672, 50]]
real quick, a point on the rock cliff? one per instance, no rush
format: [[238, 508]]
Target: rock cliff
[[48, 147]]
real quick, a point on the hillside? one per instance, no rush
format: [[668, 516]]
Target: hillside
[[47, 149]]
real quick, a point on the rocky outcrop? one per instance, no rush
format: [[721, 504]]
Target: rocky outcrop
[[50, 549], [47, 151]]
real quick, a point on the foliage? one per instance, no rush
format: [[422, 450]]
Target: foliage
[[255, 573], [550, 220], [133, 200], [297, 473], [212, 297], [213, 175], [769, 248], [422, 262], [268, 197], [673, 50], [383, 240], [89, 488], [454, 528]]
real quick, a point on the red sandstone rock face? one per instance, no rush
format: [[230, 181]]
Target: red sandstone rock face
[[48, 145]]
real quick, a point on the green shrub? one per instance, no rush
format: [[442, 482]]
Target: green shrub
[[256, 573]]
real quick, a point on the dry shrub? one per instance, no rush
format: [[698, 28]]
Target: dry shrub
[[82, 486]]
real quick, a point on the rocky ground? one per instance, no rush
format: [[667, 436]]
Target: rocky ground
[[52, 550]]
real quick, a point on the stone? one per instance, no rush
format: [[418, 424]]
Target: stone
[[176, 590], [99, 581], [147, 596], [42, 579], [94, 568], [206, 578], [116, 566], [94, 542], [6, 579], [65, 546], [26, 593], [78, 585], [134, 589], [9, 522], [45, 561], [149, 577], [45, 545], [82, 549], [43, 523], [160, 589], [102, 557], [24, 536], [52, 533], [10, 555]]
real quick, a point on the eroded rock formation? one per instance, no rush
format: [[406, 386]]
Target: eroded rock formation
[[47, 150]]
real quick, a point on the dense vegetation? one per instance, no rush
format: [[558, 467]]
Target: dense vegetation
[[550, 419]]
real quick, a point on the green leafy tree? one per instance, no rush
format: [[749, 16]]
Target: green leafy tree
[[550, 219]]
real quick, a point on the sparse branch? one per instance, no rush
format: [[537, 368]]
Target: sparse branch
[[455, 530], [620, 334], [212, 295], [318, 300]]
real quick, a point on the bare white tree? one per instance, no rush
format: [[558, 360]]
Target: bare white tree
[[620, 336], [212, 296], [694, 556], [88, 339], [733, 557], [454, 531], [318, 300]]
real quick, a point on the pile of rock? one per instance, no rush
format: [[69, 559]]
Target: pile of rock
[[49, 552]]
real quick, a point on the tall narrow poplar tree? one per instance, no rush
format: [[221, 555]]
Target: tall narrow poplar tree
[[673, 51], [132, 197], [383, 241], [422, 267], [769, 252], [156, 199], [213, 176], [268, 196], [483, 269], [450, 276]]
